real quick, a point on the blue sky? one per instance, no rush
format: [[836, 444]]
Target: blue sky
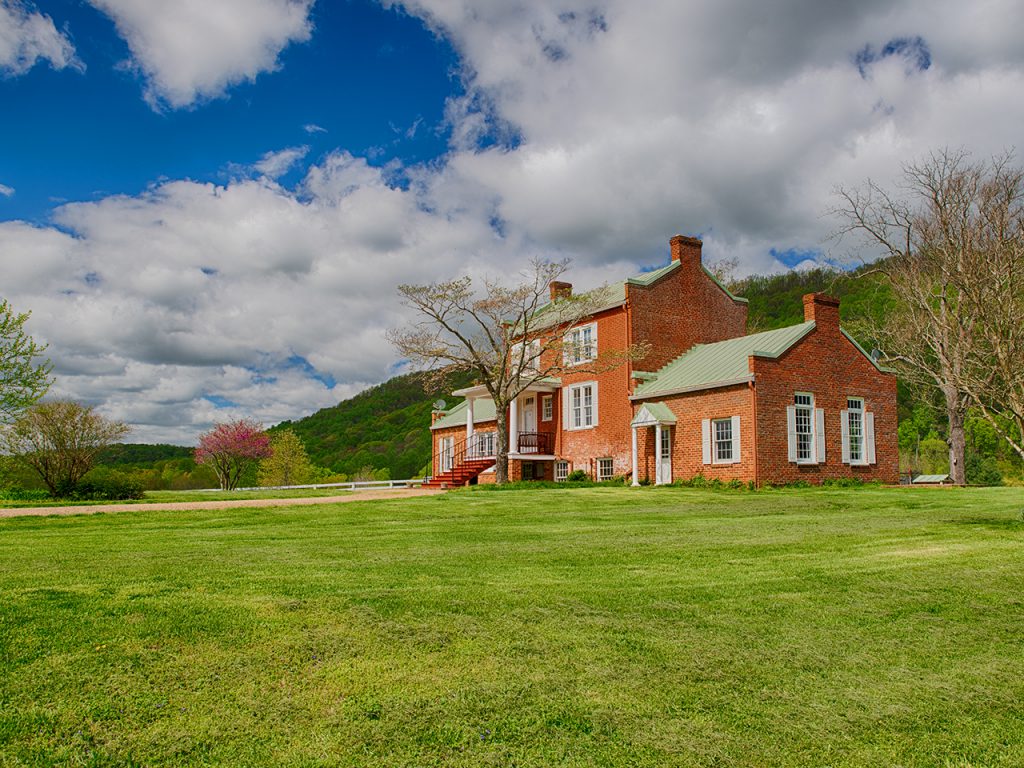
[[207, 206], [375, 82]]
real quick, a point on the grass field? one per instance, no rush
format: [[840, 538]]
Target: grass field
[[153, 497], [592, 627]]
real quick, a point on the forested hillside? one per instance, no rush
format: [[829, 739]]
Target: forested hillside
[[384, 427]]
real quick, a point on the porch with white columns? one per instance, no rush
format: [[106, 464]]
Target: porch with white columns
[[513, 426], [469, 420], [659, 416]]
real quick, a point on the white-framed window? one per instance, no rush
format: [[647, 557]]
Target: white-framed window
[[547, 408], [858, 432], [581, 344], [484, 444], [804, 403], [561, 471], [723, 440], [605, 469], [805, 426], [665, 451], [580, 406], [855, 421]]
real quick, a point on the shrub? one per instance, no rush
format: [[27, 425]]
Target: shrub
[[112, 486], [24, 494], [982, 470], [577, 476]]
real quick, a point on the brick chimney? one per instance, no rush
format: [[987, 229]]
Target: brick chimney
[[686, 250], [822, 309], [560, 290]]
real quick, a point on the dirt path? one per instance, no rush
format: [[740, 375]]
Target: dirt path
[[401, 493]]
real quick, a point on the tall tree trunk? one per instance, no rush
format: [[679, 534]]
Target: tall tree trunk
[[957, 438], [501, 457]]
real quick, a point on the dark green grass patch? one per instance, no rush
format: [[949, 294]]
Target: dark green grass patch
[[597, 627]]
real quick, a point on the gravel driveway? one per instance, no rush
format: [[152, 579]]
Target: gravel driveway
[[401, 493]]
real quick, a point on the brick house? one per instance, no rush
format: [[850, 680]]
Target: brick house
[[798, 403]]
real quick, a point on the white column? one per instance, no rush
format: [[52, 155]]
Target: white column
[[469, 420], [636, 467], [513, 426], [657, 454]]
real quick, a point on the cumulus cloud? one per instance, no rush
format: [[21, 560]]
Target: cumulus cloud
[[27, 36], [600, 128], [194, 50], [274, 164], [595, 130], [194, 302]]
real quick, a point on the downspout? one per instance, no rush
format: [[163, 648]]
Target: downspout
[[753, 403]]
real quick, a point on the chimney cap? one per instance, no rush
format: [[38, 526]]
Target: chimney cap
[[559, 289]]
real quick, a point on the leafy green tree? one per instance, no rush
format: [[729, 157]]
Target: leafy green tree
[[287, 463], [60, 440], [23, 379]]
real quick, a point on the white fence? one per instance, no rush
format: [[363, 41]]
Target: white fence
[[359, 485]]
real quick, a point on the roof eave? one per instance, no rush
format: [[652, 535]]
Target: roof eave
[[695, 388]]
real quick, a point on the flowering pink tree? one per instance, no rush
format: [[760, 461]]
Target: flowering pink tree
[[232, 448]]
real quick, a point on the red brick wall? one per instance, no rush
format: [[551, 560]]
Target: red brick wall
[[611, 437], [690, 410], [828, 365], [681, 309]]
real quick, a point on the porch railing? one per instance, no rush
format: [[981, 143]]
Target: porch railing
[[536, 442], [482, 445]]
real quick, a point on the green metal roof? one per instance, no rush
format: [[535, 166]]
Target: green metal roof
[[658, 412], [708, 365], [611, 295], [483, 410]]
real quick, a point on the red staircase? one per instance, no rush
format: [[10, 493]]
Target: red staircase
[[466, 465]]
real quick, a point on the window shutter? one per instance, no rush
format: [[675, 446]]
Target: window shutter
[[819, 435], [735, 439], [705, 427], [869, 437], [791, 430], [844, 424], [594, 400], [565, 407]]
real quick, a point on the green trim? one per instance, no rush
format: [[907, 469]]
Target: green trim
[[865, 353], [728, 293], [647, 278], [645, 375]]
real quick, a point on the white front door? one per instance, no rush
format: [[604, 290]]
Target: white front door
[[445, 447], [663, 470], [530, 414]]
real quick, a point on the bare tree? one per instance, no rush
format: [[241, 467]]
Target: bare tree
[[993, 376], [510, 337], [934, 231], [60, 441]]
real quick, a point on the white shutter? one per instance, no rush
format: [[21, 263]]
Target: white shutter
[[819, 435], [735, 439], [705, 427], [791, 430], [869, 437], [565, 407], [844, 425], [594, 401]]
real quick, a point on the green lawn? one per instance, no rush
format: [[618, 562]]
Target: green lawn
[[580, 627], [152, 497]]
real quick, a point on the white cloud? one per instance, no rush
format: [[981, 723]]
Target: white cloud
[[275, 164], [618, 124], [194, 50], [163, 306], [629, 122], [313, 128], [6, 191], [27, 36]]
